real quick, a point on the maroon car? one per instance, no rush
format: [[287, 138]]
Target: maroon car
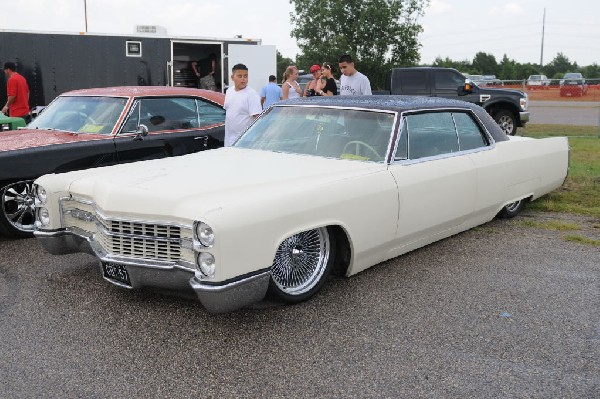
[[96, 127]]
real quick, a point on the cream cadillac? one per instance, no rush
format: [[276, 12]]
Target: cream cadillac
[[314, 186]]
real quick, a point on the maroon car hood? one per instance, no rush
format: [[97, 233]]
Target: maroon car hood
[[27, 138]]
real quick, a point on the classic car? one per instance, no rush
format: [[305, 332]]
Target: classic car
[[314, 186], [573, 84], [96, 127]]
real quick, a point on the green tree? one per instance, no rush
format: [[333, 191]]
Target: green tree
[[377, 33], [462, 66], [591, 71], [559, 66], [282, 64], [485, 64]]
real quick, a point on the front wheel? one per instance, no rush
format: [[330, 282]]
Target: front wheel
[[302, 264], [17, 212], [507, 122], [511, 210]]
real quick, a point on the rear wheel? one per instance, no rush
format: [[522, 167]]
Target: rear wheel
[[302, 264], [17, 212], [507, 122], [511, 210]]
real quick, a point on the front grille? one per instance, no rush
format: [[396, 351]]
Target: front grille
[[142, 229], [140, 240]]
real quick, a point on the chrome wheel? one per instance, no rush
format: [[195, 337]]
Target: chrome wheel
[[507, 122], [18, 208], [301, 263], [511, 210]]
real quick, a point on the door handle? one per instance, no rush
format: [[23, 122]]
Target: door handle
[[205, 138]]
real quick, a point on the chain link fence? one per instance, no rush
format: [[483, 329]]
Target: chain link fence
[[560, 101]]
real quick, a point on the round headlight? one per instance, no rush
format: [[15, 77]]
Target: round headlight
[[205, 234], [206, 264], [41, 195], [43, 216]]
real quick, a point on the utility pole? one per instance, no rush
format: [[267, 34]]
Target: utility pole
[[85, 13], [543, 28]]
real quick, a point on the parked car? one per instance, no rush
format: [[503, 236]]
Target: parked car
[[573, 84], [491, 80], [314, 186], [537, 82], [477, 79], [96, 127]]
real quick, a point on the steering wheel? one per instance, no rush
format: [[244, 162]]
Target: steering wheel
[[359, 144], [86, 118]]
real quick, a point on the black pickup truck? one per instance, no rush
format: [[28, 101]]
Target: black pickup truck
[[508, 107]]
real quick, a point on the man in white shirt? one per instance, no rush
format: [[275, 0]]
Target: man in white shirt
[[352, 82], [242, 105]]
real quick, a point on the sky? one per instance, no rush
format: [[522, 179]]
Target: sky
[[457, 29]]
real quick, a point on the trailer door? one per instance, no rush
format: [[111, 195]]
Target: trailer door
[[260, 60]]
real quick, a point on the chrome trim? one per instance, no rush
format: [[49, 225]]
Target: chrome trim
[[172, 255], [122, 219], [234, 295], [490, 146]]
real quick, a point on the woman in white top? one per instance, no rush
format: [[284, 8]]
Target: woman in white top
[[289, 86]]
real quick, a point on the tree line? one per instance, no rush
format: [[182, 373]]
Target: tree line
[[382, 34]]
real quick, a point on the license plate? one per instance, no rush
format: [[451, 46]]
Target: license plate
[[113, 271]]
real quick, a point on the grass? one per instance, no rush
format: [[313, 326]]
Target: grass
[[581, 192], [583, 240], [551, 225]]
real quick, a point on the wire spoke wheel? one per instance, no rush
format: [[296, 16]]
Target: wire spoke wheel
[[301, 263]]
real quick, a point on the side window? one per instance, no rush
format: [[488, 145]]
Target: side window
[[414, 81], [210, 114], [163, 114], [431, 134], [134, 119], [446, 79], [470, 135]]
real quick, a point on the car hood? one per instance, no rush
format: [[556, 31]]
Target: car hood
[[29, 138], [498, 92], [209, 180]]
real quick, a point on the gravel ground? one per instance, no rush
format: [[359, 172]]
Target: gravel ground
[[508, 309]]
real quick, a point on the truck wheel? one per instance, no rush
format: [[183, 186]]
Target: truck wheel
[[507, 122], [17, 210]]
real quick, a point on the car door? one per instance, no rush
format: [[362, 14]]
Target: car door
[[175, 125], [448, 83], [436, 180]]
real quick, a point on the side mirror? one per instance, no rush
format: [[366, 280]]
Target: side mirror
[[466, 88], [141, 132]]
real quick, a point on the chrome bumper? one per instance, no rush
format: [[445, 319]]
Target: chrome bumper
[[215, 297], [524, 118]]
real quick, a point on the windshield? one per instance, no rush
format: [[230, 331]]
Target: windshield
[[327, 132], [96, 115], [572, 76]]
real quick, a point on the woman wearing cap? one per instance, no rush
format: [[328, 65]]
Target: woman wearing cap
[[326, 85], [289, 86], [310, 88]]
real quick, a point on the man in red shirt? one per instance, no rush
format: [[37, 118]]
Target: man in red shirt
[[18, 94]]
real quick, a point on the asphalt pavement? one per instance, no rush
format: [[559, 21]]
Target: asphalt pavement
[[504, 310]]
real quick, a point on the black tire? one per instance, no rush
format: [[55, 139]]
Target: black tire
[[507, 122], [302, 264], [511, 210], [17, 210]]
